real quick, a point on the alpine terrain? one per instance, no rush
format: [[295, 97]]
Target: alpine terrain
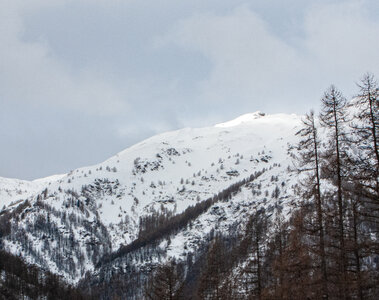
[[264, 206]]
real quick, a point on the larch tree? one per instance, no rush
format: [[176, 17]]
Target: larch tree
[[257, 232], [308, 163], [211, 278], [333, 119], [367, 129], [165, 283]]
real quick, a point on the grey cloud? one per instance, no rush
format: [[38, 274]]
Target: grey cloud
[[253, 65], [31, 73], [81, 80]]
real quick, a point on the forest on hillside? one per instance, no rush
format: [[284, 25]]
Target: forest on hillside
[[19, 280]]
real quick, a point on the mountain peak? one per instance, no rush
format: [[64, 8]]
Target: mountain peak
[[246, 118]]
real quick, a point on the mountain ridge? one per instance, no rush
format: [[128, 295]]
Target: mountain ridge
[[71, 221]]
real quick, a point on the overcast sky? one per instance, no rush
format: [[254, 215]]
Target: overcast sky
[[82, 80]]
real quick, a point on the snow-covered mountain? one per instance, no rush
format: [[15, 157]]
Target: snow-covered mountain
[[68, 223]]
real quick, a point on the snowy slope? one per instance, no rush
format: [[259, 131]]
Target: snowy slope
[[12, 191], [101, 204]]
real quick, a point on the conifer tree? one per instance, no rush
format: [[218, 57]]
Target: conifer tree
[[165, 283], [364, 192], [213, 273], [366, 129], [333, 118], [257, 234], [308, 162], [296, 262]]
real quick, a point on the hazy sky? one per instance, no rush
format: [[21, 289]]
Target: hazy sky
[[81, 80]]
